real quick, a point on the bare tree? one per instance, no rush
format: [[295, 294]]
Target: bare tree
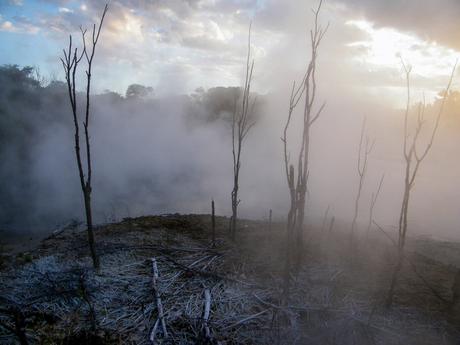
[[374, 198], [242, 122], [70, 62], [363, 157], [323, 226], [413, 157], [297, 179]]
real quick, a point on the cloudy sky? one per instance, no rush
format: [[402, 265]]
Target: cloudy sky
[[179, 45]]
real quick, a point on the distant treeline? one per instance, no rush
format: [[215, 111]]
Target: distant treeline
[[33, 112]]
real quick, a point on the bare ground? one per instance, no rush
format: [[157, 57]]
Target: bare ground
[[51, 295]]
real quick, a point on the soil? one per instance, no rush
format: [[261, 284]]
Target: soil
[[336, 297]]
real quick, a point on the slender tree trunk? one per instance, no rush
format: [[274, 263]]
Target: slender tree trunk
[[234, 218], [289, 245], [413, 159], [242, 122], [70, 62], [298, 184], [89, 223], [455, 307], [331, 225], [299, 236], [401, 245], [270, 221], [20, 326], [395, 277], [374, 199], [213, 223]]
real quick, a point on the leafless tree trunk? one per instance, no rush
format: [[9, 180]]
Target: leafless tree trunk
[[413, 158], [455, 305], [331, 225], [363, 156], [326, 213], [270, 213], [242, 122], [374, 198], [213, 223], [70, 63], [20, 326], [297, 180]]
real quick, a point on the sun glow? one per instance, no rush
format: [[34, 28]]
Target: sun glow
[[384, 47]]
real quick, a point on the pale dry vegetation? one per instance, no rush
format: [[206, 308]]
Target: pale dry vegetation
[[56, 298]]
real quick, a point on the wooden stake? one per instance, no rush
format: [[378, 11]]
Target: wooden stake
[[270, 220], [213, 218]]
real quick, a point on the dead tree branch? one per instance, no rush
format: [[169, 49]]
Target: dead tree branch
[[363, 158], [70, 63], [413, 159], [242, 122], [297, 178], [206, 312], [374, 198]]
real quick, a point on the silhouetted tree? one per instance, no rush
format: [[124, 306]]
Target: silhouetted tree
[[363, 155], [242, 122], [413, 158], [297, 180], [70, 62], [139, 91]]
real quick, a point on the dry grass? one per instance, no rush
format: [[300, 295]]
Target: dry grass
[[333, 300]]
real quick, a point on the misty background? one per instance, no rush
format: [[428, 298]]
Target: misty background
[[172, 153]]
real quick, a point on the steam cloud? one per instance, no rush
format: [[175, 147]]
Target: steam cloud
[[173, 154]]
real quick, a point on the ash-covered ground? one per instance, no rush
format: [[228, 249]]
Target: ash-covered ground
[[52, 295]]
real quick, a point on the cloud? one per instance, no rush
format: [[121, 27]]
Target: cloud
[[431, 20], [7, 26], [18, 25], [65, 10], [149, 41]]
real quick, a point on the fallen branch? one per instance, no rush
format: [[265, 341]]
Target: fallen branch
[[161, 318], [206, 312], [251, 317]]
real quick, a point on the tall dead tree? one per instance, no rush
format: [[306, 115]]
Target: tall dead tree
[[70, 62], [242, 122], [363, 157], [297, 178], [413, 157]]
